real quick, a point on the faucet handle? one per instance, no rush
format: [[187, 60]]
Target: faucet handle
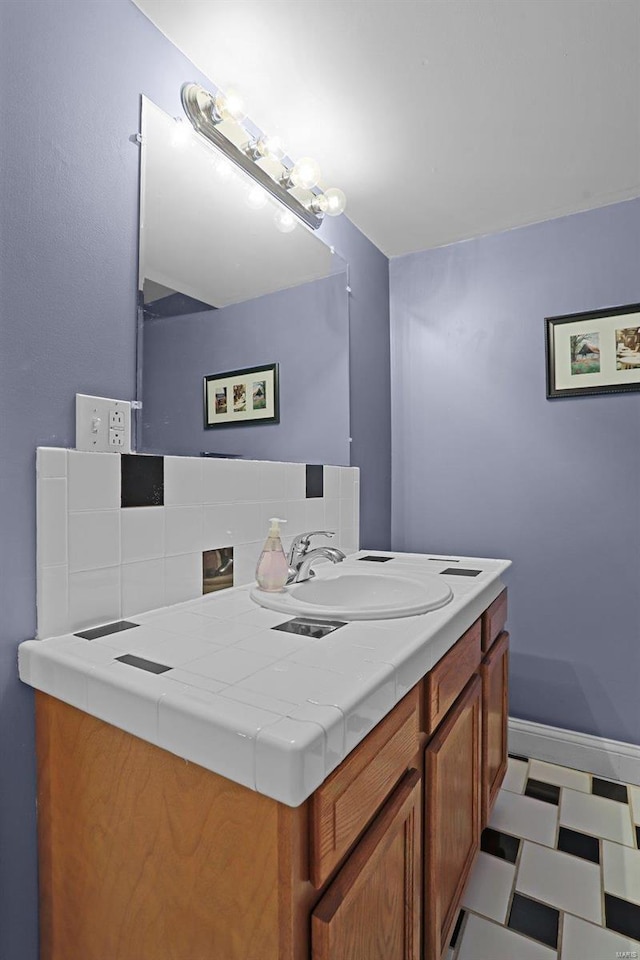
[[301, 543]]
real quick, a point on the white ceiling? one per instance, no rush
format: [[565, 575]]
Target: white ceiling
[[441, 119]]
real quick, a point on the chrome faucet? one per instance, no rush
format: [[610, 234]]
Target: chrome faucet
[[301, 557]]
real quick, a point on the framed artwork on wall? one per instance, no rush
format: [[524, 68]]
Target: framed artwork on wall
[[593, 352], [242, 397]]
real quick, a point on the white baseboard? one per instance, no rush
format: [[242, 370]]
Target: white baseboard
[[609, 759]]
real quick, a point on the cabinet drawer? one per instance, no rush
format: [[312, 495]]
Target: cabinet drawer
[[349, 798], [493, 620], [450, 676]]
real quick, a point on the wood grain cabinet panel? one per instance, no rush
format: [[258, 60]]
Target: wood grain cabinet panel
[[452, 815], [495, 711], [451, 674], [371, 911], [349, 798], [493, 620]]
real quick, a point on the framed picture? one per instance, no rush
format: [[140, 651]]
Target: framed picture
[[240, 397], [594, 352]]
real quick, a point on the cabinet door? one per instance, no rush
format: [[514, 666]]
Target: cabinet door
[[371, 911], [452, 815], [495, 710]]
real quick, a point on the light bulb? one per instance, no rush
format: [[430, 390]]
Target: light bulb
[[336, 201], [256, 197], [271, 147], [319, 203], [228, 106], [305, 173], [285, 221]]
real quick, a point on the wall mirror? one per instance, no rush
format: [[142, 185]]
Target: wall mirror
[[223, 288]]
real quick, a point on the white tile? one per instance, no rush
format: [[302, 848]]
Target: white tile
[[347, 515], [332, 482], [142, 533], [245, 561], [560, 776], [217, 480], [295, 513], [224, 633], [525, 817], [634, 798], [332, 515], [94, 596], [621, 871], [585, 941], [53, 601], [274, 643], [262, 618], [51, 462], [184, 623], [186, 722], [331, 655], [192, 680], [246, 479], [238, 695], [484, 940], [216, 526], [516, 776], [226, 604], [266, 511], [134, 640], [182, 530], [290, 760], [94, 480], [489, 888], [94, 540], [182, 481], [127, 697], [57, 672], [52, 521], [567, 883], [178, 652], [314, 516], [366, 710], [331, 719], [182, 578], [295, 683], [87, 652], [142, 586], [347, 480], [295, 481], [596, 815], [272, 481], [356, 508], [229, 665]]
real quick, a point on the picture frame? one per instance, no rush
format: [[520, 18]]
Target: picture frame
[[595, 352], [247, 397]]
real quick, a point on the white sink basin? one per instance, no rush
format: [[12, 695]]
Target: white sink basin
[[348, 595]]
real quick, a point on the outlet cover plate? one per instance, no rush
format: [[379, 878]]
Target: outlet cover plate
[[95, 418]]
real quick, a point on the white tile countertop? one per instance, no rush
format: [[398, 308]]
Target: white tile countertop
[[271, 710]]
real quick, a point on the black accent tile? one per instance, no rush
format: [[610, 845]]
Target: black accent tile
[[315, 480], [516, 756], [142, 480], [638, 837], [306, 627], [622, 916], [442, 560], [612, 791], [500, 845], [539, 790], [149, 665], [456, 930], [377, 559], [535, 920], [579, 844], [106, 630], [460, 572]]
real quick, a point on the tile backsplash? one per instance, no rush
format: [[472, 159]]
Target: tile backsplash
[[121, 534]]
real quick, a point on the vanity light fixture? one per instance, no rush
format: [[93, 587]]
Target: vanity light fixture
[[219, 118]]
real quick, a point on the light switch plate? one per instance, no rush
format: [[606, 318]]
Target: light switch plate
[[103, 425]]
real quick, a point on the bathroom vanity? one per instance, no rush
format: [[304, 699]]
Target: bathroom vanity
[[356, 835]]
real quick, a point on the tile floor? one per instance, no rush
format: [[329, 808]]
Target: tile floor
[[558, 875]]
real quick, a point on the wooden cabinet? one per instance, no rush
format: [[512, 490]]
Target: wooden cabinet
[[145, 855], [371, 911], [495, 710], [452, 814]]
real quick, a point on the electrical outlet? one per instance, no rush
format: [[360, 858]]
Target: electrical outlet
[[103, 425]]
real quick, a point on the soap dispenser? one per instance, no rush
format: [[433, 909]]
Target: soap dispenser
[[272, 571]]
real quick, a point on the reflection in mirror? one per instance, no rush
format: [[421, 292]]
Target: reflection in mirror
[[223, 287]]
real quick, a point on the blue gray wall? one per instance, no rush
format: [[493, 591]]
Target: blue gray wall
[[305, 329], [484, 464], [68, 248]]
